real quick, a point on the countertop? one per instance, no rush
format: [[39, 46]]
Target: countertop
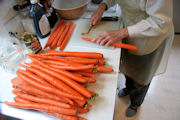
[[103, 105]]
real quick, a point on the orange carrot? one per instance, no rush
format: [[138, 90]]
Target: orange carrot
[[75, 54], [70, 82], [125, 46], [84, 33], [20, 100], [65, 117], [81, 103], [90, 80], [66, 73], [47, 88], [53, 34], [66, 39], [72, 67], [41, 100], [81, 118], [18, 81], [37, 92], [121, 45], [53, 80], [43, 107], [60, 59], [82, 60], [35, 77], [87, 70], [92, 75], [82, 110], [104, 69], [63, 34], [60, 31]]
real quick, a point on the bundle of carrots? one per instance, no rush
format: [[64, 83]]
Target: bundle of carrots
[[60, 35], [55, 83]]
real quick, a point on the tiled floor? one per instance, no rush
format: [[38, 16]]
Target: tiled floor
[[163, 98]]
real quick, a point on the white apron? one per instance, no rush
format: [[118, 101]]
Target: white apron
[[150, 27]]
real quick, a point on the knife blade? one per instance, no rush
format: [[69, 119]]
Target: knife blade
[[90, 29]]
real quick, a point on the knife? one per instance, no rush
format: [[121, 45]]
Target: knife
[[90, 29], [113, 18]]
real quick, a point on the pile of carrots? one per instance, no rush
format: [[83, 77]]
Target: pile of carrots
[[56, 83], [60, 35]]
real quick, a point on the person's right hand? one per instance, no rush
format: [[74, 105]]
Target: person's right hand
[[97, 15]]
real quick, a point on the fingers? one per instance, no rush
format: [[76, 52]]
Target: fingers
[[94, 20], [101, 40], [109, 43]]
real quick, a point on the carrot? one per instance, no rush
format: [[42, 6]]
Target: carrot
[[37, 92], [90, 80], [20, 100], [81, 118], [53, 34], [77, 74], [87, 70], [125, 46], [47, 88], [41, 100], [54, 62], [104, 69], [65, 117], [60, 59], [72, 67], [81, 103], [121, 45], [43, 107], [44, 74], [75, 54], [82, 110], [59, 84], [93, 93], [35, 77], [92, 75], [66, 39], [64, 64], [70, 82], [84, 33], [18, 81], [82, 60], [63, 34], [66, 73], [101, 62], [56, 39]]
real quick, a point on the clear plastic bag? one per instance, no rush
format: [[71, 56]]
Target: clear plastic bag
[[11, 54]]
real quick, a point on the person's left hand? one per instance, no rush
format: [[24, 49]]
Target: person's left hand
[[109, 37]]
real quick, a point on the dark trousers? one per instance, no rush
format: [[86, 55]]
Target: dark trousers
[[136, 91]]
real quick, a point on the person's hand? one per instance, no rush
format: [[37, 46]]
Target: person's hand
[[96, 17], [109, 37]]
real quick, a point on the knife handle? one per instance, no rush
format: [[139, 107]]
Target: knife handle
[[114, 18]]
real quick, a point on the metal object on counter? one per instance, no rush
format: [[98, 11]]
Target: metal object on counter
[[70, 9], [90, 29], [112, 18]]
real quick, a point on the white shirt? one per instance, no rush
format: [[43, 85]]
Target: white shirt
[[149, 22]]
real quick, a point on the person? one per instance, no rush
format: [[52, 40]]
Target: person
[[148, 25]]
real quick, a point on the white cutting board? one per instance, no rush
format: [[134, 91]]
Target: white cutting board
[[82, 26]]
